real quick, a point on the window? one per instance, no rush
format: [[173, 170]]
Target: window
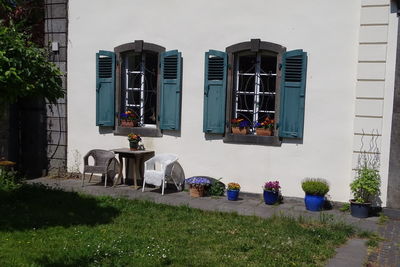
[[256, 82], [142, 92], [139, 87], [254, 87]]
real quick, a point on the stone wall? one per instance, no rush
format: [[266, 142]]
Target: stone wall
[[56, 31]]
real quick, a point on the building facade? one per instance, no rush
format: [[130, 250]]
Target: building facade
[[324, 72]]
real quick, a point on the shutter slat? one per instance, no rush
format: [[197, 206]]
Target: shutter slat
[[294, 70], [170, 67], [215, 91]]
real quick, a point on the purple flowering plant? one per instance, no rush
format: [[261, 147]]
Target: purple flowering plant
[[197, 181], [240, 122], [272, 186]]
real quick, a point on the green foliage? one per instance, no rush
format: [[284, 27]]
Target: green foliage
[[366, 185], [25, 70], [382, 219], [217, 188], [43, 227], [315, 186], [9, 180], [345, 207]]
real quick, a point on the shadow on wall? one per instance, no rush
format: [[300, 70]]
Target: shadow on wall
[[36, 206]]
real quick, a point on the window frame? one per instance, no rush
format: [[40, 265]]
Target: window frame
[[258, 46], [138, 46]]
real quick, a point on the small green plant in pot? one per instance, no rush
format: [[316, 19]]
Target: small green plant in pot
[[315, 189], [365, 186]]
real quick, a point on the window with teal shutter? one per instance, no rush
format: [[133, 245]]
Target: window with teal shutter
[[105, 88], [170, 93], [214, 91], [293, 84]]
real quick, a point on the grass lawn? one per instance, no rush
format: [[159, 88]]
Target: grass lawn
[[44, 227]]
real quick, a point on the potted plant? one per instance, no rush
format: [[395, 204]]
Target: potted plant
[[365, 186], [233, 190], [128, 119], [265, 128], [134, 140], [240, 126], [271, 192], [197, 186], [315, 189]]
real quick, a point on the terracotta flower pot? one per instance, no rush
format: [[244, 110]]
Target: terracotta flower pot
[[197, 191], [126, 123], [264, 132], [238, 130]]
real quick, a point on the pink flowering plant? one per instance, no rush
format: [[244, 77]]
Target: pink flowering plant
[[272, 186]]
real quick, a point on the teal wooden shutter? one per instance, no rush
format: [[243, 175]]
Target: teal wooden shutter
[[293, 85], [170, 93], [214, 91], [105, 88]]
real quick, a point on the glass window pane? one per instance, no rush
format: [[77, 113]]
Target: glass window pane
[[246, 83], [247, 63], [134, 97], [246, 102], [267, 83], [267, 102], [134, 80], [268, 63], [262, 116]]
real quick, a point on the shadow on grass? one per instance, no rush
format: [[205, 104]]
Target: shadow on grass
[[36, 206], [47, 261]]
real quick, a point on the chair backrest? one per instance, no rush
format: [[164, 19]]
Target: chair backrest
[[100, 156], [162, 159]]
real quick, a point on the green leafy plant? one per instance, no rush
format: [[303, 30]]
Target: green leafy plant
[[217, 188], [382, 219], [315, 186], [365, 185], [345, 207], [25, 70], [9, 180]]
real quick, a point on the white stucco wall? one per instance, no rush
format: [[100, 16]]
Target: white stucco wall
[[327, 30]]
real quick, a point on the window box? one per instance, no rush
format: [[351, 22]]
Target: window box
[[240, 130], [264, 132]]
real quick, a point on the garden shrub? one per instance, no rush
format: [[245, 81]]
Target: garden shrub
[[9, 180], [315, 186]]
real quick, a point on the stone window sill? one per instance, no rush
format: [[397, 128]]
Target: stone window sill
[[252, 139], [142, 131]]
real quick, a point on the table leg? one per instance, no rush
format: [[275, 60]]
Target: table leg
[[135, 171], [121, 162]]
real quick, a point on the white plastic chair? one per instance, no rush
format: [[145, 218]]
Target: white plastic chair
[[159, 177]]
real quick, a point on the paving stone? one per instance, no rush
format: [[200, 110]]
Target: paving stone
[[352, 254]]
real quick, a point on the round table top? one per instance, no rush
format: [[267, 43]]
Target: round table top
[[7, 163]]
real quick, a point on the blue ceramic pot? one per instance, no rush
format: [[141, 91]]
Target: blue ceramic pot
[[270, 197], [233, 194], [314, 203]]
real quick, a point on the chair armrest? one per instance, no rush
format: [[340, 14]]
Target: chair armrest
[[150, 164], [86, 157]]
